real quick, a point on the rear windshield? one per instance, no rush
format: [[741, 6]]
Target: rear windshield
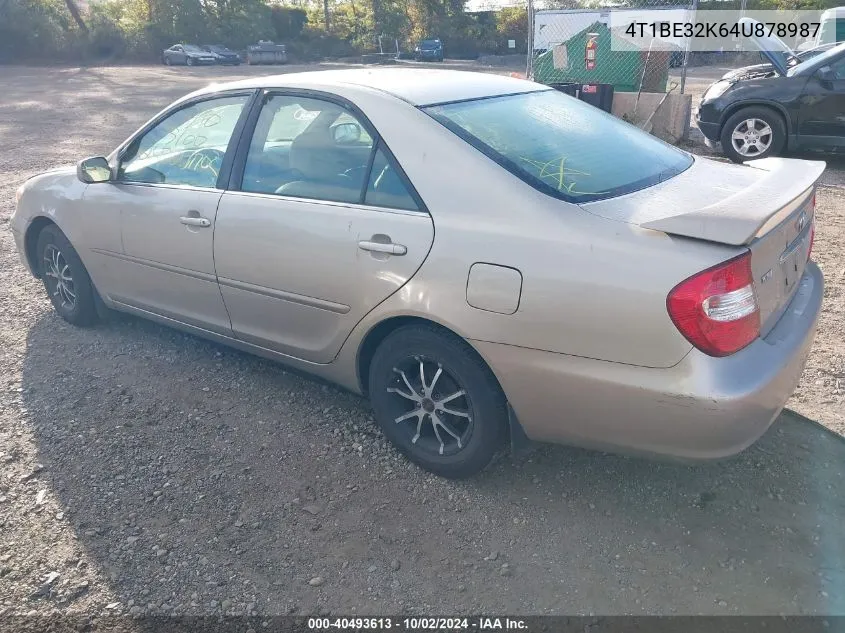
[[563, 146]]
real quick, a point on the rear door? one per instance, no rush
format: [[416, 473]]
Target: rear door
[[321, 225]]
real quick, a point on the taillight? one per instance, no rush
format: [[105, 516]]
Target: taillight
[[716, 310]]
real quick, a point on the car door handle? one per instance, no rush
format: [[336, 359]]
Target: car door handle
[[194, 221], [380, 247]]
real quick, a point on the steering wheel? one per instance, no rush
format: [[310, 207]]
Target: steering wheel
[[206, 158], [355, 174]]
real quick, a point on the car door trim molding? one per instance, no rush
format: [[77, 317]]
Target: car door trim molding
[[170, 268], [290, 297], [312, 302], [329, 203]]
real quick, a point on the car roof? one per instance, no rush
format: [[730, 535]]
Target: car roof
[[417, 86]]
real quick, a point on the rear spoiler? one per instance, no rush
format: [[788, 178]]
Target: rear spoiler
[[745, 215]]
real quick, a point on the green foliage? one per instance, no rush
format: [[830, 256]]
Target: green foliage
[[34, 28], [288, 22], [141, 29]]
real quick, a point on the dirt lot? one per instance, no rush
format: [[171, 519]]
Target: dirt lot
[[145, 471]]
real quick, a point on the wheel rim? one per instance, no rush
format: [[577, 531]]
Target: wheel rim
[[752, 137], [190, 62], [58, 277], [430, 406]]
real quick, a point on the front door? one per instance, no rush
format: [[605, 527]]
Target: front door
[[822, 113], [323, 229], [167, 195]]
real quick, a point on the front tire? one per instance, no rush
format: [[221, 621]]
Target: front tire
[[65, 279], [753, 133], [437, 401], [189, 61], [167, 61]]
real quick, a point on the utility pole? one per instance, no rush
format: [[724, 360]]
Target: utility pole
[[529, 41], [686, 48], [326, 13]]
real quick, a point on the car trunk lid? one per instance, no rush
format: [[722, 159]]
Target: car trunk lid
[[766, 206]]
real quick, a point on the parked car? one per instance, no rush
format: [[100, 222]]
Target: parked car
[[187, 54], [632, 298], [223, 54], [759, 113], [429, 50]]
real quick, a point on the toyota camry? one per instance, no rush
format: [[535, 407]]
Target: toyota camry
[[485, 258]]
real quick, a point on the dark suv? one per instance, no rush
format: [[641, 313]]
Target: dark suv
[[789, 103], [429, 50]]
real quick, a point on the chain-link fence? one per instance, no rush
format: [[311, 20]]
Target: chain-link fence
[[584, 46]]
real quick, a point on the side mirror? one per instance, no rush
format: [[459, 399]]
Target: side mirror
[[93, 170], [826, 75], [346, 133]]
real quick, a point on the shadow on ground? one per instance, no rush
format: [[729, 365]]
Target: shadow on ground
[[197, 477]]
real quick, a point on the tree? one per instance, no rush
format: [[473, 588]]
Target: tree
[[77, 16]]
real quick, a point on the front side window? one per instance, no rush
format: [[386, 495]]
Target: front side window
[[308, 148], [186, 148], [563, 146], [838, 69]]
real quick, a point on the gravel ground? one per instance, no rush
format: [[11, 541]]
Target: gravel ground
[[145, 471]]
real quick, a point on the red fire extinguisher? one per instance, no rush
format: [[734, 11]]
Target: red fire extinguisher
[[590, 51]]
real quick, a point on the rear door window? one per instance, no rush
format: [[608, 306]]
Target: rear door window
[[386, 186]]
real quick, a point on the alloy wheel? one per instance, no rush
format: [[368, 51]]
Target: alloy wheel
[[752, 137], [431, 406], [58, 277]]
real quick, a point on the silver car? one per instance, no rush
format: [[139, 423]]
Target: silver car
[[487, 259], [187, 54]]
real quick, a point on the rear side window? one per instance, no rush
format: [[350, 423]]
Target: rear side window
[[563, 146], [386, 187]]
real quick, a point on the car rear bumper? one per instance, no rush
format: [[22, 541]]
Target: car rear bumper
[[702, 408]]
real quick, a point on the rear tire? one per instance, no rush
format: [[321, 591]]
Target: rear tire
[[459, 392], [65, 279], [167, 61], [753, 133], [189, 61]]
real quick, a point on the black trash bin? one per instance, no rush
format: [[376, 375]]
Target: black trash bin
[[570, 89], [598, 95]]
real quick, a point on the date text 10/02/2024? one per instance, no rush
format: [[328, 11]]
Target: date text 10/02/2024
[[418, 624]]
